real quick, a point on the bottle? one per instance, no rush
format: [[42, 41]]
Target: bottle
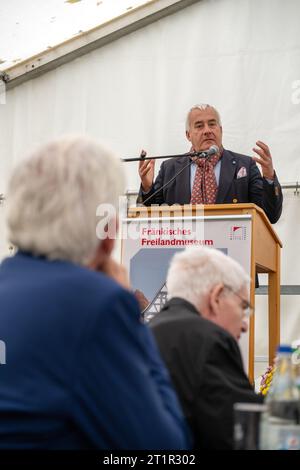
[[280, 427]]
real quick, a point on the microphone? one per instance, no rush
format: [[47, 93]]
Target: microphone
[[203, 154], [207, 153]]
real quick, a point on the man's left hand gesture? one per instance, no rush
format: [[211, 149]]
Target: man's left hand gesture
[[264, 159]]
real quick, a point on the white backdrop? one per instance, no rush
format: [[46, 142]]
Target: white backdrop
[[243, 56]]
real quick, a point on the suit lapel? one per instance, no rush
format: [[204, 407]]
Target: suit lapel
[[227, 173], [182, 182]]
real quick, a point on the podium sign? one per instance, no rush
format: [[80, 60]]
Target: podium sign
[[154, 241]]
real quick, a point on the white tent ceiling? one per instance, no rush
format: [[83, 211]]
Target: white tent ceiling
[[29, 27]]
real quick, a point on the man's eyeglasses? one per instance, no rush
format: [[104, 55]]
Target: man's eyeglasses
[[248, 310]]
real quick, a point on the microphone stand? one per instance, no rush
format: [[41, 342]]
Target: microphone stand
[[203, 154]]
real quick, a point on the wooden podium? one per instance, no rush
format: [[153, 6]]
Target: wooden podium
[[265, 257]]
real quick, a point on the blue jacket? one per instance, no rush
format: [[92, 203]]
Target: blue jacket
[[81, 369]]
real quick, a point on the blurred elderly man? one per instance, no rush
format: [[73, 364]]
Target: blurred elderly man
[[197, 333], [81, 371]]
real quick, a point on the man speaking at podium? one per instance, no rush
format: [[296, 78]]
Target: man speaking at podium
[[223, 177]]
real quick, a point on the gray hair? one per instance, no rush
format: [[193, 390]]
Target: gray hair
[[196, 270], [202, 107], [53, 196]]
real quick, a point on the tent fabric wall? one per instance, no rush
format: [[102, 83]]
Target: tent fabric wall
[[242, 56]]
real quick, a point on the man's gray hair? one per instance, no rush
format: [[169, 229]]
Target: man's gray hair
[[202, 107], [196, 270], [53, 196]]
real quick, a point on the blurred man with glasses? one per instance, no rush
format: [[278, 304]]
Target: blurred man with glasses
[[197, 332]]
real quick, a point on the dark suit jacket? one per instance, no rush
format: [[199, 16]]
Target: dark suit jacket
[[81, 371], [250, 188], [206, 367]]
